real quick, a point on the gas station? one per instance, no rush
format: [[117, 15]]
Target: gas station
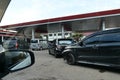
[[62, 27]]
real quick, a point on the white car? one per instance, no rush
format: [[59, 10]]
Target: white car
[[35, 44]]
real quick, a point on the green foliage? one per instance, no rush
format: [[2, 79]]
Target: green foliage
[[77, 36]]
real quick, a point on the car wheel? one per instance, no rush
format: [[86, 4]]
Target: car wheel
[[70, 59], [56, 56], [49, 52], [41, 48]]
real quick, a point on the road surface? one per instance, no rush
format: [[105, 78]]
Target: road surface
[[47, 67]]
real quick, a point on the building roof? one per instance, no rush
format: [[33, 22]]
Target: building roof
[[67, 18]]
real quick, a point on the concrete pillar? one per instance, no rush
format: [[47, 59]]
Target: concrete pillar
[[63, 32], [33, 33], [103, 25], [2, 38]]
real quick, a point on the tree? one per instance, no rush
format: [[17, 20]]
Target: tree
[[77, 36]]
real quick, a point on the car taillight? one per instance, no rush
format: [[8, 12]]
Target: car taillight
[[16, 45]]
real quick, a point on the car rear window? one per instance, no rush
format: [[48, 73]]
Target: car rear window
[[10, 41], [65, 42], [34, 41], [13, 41]]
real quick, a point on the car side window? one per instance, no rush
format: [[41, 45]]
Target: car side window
[[109, 38], [92, 40]]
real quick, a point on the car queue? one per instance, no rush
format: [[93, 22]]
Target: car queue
[[100, 48]]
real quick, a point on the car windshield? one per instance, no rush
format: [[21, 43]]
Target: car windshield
[[65, 42], [34, 41], [53, 30]]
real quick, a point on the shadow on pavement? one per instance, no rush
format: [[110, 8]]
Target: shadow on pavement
[[101, 69]]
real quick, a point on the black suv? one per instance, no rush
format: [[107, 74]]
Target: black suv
[[100, 48], [58, 45]]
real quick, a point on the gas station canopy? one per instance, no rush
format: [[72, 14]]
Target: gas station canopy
[[112, 16]]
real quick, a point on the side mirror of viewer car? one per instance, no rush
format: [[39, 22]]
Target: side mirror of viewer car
[[15, 60]]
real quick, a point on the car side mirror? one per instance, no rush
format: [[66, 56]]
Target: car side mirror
[[81, 43], [15, 60]]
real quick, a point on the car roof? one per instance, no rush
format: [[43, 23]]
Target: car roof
[[104, 32]]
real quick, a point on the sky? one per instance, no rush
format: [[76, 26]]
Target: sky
[[20, 11]]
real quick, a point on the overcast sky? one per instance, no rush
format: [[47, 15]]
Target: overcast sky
[[31, 10]]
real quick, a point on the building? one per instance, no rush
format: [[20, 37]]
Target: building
[[67, 25]]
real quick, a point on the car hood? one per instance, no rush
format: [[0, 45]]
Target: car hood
[[72, 46]]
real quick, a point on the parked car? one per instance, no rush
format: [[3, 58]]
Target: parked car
[[100, 48], [58, 45], [44, 44], [38, 44], [14, 60], [16, 43]]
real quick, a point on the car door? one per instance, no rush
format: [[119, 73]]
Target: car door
[[89, 49], [110, 48]]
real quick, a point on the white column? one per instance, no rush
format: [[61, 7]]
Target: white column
[[33, 33], [103, 25], [2, 38], [63, 32]]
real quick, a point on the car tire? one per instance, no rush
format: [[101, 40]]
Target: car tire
[[41, 48], [56, 56], [49, 52], [70, 59]]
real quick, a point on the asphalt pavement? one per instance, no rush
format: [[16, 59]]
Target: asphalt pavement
[[48, 67]]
